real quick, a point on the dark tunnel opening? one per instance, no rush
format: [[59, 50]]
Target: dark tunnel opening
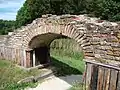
[[41, 55], [40, 46]]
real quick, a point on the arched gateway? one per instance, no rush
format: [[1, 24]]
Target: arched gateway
[[29, 45]]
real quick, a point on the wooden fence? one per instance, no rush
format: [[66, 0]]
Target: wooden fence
[[16, 55], [102, 77]]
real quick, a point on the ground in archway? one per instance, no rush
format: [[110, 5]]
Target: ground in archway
[[58, 83]]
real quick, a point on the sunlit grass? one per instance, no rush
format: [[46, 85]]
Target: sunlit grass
[[67, 57], [10, 75], [78, 86], [68, 66]]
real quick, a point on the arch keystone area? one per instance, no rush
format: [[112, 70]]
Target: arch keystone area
[[99, 39]]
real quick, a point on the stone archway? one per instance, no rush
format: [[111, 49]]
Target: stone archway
[[40, 48], [99, 39]]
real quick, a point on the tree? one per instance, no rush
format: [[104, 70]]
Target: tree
[[105, 9], [109, 10], [6, 26], [33, 9]]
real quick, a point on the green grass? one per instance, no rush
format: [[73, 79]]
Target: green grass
[[78, 86], [71, 62], [67, 57], [67, 63], [10, 75], [77, 55], [4, 63], [21, 86]]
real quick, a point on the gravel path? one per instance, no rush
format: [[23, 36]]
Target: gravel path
[[58, 83]]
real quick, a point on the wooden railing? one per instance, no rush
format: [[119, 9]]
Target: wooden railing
[[101, 76]]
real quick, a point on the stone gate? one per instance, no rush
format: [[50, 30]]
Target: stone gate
[[29, 45]]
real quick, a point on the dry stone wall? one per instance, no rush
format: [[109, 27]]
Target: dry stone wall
[[99, 39]]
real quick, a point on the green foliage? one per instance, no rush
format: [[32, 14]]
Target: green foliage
[[6, 26], [105, 9], [33, 9]]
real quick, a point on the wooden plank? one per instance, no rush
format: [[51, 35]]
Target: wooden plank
[[88, 76], [100, 78], [113, 79], [103, 65], [106, 79], [94, 77], [118, 82]]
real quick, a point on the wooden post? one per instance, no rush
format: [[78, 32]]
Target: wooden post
[[28, 58], [34, 58], [24, 60]]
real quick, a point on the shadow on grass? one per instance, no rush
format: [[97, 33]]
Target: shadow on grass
[[63, 69]]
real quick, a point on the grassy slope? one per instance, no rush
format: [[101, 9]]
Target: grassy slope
[[67, 62], [71, 62], [10, 75]]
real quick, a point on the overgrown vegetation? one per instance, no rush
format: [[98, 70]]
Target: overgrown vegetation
[[10, 75], [67, 57], [33, 9]]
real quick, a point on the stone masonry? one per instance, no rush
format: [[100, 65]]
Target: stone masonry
[[99, 39]]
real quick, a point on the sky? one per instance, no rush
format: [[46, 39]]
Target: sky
[[9, 8]]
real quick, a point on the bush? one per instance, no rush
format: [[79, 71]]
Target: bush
[[105, 9]]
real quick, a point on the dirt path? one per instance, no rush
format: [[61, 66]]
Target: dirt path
[[58, 83]]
